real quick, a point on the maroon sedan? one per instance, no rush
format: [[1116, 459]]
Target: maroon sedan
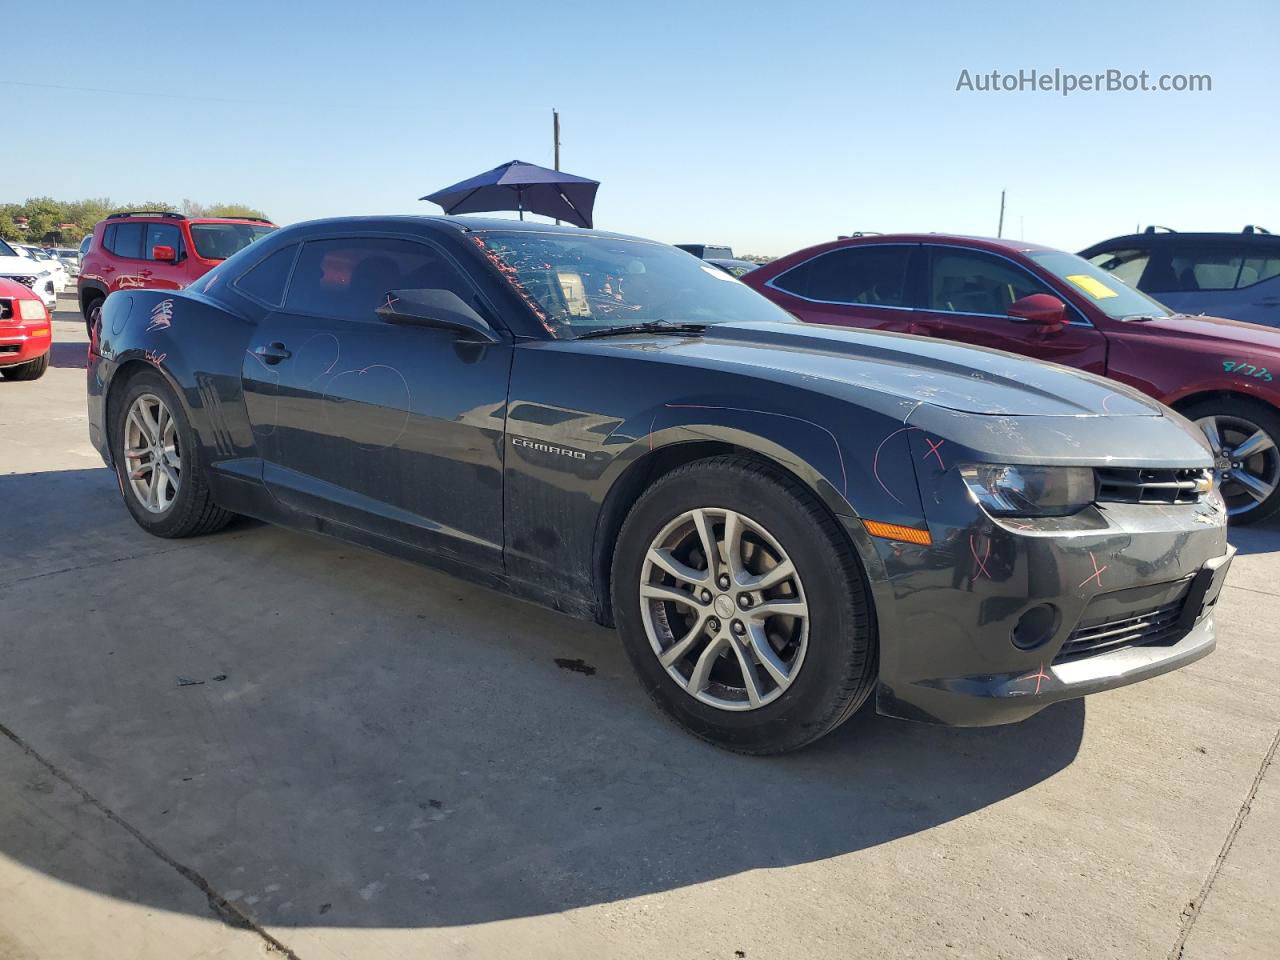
[[1055, 306]]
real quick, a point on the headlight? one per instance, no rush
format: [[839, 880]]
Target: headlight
[[32, 310], [1017, 491]]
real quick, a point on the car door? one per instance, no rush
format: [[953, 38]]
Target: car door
[[390, 428], [163, 274], [966, 296], [863, 285]]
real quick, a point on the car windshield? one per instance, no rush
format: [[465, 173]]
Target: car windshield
[[1109, 294], [217, 241], [580, 284], [7, 251]]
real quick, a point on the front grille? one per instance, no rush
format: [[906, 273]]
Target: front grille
[[1156, 626], [1141, 485], [6, 308], [25, 281], [10, 347]]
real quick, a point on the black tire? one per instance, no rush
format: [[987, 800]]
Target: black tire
[[1266, 418], [91, 311], [839, 669], [31, 370], [192, 511]]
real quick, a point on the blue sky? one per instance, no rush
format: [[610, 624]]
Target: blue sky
[[769, 126]]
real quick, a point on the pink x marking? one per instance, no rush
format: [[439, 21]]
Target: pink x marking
[[933, 451], [1097, 571], [1039, 677], [391, 302], [981, 561]]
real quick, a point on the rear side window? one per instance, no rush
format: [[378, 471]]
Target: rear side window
[[1125, 265], [866, 275], [1258, 269], [162, 235], [349, 279], [968, 281], [267, 279], [125, 240]]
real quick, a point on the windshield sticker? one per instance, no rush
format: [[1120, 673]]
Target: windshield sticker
[[1240, 368], [1092, 286], [721, 274]]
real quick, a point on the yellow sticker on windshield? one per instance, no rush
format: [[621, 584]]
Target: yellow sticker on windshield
[[1092, 286]]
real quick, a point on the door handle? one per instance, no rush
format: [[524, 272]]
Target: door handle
[[273, 352]]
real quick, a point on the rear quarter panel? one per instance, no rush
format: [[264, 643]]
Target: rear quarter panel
[[196, 344]]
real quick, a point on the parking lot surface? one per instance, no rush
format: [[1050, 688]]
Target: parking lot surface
[[267, 743]]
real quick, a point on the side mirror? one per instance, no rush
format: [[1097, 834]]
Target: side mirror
[[1039, 308], [436, 308], [164, 252]]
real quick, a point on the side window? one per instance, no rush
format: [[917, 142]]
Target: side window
[[870, 275], [1125, 265], [968, 281], [109, 238], [1258, 269], [349, 279], [128, 240], [1195, 267], [161, 235], [266, 280]]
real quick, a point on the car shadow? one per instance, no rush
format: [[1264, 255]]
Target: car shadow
[[1262, 538], [73, 353], [330, 737]]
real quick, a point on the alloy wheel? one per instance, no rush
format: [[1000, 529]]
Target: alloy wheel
[[1246, 459], [153, 461], [724, 609]]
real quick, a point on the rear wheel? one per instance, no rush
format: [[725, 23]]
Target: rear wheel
[[742, 607], [1245, 437], [158, 462], [31, 370], [92, 312]]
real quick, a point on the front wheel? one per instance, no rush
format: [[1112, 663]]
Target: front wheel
[[742, 606], [1245, 437], [31, 370], [158, 462]]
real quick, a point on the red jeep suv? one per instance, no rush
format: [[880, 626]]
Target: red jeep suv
[[1055, 306], [146, 248]]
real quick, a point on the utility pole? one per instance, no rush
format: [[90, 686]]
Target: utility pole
[[555, 136], [1000, 226]]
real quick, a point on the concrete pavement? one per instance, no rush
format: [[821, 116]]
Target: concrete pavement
[[262, 742]]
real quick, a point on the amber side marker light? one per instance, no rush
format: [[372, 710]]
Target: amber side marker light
[[892, 531]]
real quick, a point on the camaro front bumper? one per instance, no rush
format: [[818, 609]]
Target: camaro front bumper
[[995, 619]]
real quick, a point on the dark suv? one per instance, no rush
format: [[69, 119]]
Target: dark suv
[[158, 249], [1234, 275]]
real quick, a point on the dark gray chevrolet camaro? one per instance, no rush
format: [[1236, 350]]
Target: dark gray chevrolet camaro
[[780, 519]]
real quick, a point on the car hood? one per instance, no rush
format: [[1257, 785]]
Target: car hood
[[1204, 330], [847, 362], [20, 267]]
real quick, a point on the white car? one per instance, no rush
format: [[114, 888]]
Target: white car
[[39, 275], [48, 259]]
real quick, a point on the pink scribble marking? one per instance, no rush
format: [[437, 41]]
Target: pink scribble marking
[[161, 316], [981, 561], [875, 460], [1039, 677], [933, 451], [1097, 571], [391, 302], [152, 357]]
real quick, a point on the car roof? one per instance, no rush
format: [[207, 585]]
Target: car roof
[[469, 224], [1201, 237], [990, 244]]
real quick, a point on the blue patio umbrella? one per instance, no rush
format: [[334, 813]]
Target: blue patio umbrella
[[522, 186]]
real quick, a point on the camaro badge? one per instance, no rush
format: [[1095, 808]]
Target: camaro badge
[[547, 448]]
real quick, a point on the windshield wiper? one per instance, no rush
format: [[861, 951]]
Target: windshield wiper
[[649, 326], [1141, 318]]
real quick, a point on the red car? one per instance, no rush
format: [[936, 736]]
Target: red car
[[158, 249], [25, 332], [1055, 306]]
